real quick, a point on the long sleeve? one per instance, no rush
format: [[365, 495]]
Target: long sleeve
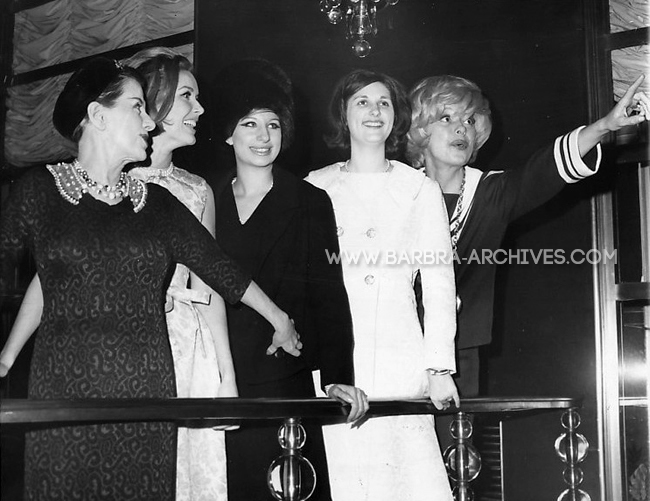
[[500, 198], [194, 246], [545, 173], [16, 228], [327, 295], [438, 289]]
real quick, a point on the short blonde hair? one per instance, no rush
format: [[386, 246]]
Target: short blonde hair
[[429, 97]]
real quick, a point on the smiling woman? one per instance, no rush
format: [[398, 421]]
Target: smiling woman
[[257, 138], [195, 314], [385, 207], [104, 244], [370, 115], [102, 332], [279, 228]]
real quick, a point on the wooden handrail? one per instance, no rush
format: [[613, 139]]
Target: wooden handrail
[[25, 411]]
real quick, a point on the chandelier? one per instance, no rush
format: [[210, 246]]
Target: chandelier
[[360, 19]]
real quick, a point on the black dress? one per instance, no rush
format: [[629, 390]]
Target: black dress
[[104, 271], [283, 246]]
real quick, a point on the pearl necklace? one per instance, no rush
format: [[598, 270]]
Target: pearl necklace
[[234, 180], [120, 190], [454, 222], [345, 167]]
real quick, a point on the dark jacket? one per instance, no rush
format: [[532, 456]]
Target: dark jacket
[[500, 198], [285, 253]]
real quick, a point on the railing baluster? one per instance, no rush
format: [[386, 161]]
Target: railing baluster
[[291, 477], [462, 460], [572, 448]]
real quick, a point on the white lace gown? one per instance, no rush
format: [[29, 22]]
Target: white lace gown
[[381, 217], [201, 452]]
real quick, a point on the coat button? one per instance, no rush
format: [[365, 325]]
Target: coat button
[[371, 233], [339, 231], [370, 279]]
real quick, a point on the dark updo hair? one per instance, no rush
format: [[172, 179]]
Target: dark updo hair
[[252, 85], [100, 80], [349, 85], [160, 67]]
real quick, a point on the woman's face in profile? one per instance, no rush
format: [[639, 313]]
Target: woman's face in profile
[[257, 138], [128, 123], [181, 121], [370, 114]]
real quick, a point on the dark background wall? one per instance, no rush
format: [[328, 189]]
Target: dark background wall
[[529, 57]]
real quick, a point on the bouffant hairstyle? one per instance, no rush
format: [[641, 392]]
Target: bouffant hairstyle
[[100, 80], [339, 137], [160, 67], [252, 85], [428, 100]]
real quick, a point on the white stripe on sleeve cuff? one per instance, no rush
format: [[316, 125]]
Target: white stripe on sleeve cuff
[[570, 166]]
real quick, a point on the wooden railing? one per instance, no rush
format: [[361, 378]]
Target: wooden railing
[[462, 459]]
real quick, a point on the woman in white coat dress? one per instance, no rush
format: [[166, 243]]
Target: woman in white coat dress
[[391, 224]]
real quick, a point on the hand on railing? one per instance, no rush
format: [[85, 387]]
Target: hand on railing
[[352, 395], [443, 391]]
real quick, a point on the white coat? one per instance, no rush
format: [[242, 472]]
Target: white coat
[[392, 225]]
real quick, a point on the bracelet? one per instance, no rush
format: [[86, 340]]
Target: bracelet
[[439, 372]]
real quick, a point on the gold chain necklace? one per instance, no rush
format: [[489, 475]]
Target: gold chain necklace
[[454, 222]]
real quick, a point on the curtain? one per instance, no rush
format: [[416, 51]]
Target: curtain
[[630, 62], [66, 30]]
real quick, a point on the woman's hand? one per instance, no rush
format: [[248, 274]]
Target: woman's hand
[[285, 337], [442, 391], [632, 109], [4, 369], [352, 395]]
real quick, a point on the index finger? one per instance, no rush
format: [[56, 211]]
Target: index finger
[[357, 409], [271, 349], [437, 404], [632, 88], [354, 411], [456, 399]]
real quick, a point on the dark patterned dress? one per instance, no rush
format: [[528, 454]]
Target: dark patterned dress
[[104, 271]]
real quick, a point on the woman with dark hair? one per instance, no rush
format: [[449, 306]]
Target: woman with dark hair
[[279, 228], [104, 244], [339, 136], [391, 226]]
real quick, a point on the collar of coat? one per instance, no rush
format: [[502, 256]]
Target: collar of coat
[[404, 183]]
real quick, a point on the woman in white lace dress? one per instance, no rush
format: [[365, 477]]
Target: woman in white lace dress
[[195, 314], [391, 225]]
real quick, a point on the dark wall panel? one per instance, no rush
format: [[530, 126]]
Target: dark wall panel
[[527, 66]]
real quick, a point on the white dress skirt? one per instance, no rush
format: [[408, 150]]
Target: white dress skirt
[[201, 451]]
